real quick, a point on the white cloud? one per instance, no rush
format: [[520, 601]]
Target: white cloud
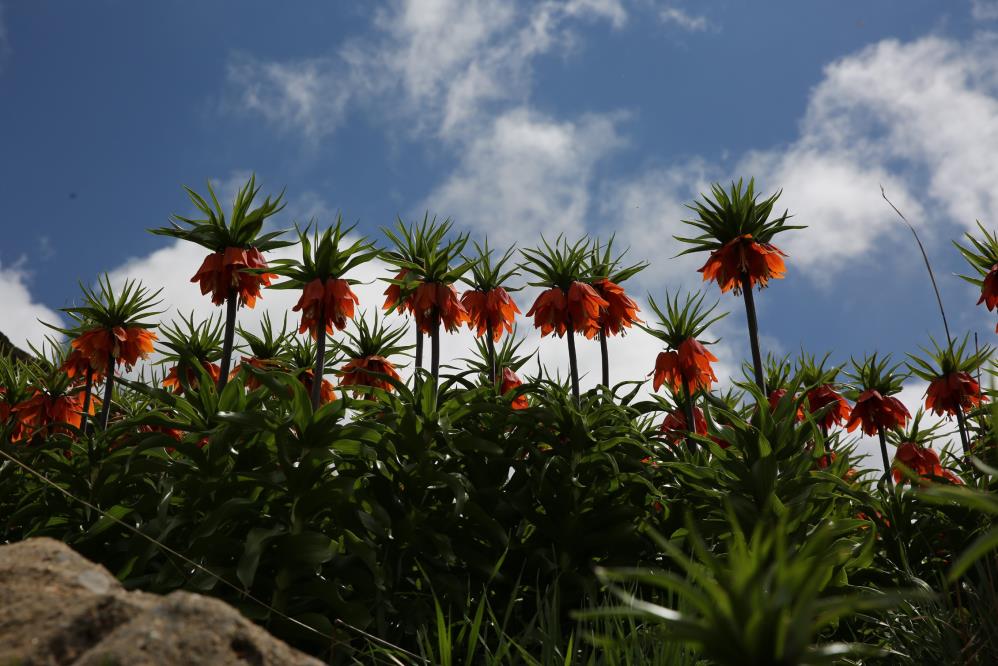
[[309, 96], [683, 19], [21, 312], [435, 63], [527, 175], [984, 10]]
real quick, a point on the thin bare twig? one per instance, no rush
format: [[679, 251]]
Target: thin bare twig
[[925, 257]]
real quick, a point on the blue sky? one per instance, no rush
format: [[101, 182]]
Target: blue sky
[[514, 119]]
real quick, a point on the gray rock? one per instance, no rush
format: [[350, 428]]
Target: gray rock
[[58, 608]]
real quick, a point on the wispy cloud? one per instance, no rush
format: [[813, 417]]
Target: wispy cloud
[[683, 19], [441, 66], [984, 10]]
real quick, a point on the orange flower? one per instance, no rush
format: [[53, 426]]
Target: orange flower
[[820, 397], [393, 295], [825, 461], [510, 381], [366, 371], [675, 428], [434, 302], [491, 310], [333, 298], [224, 270], [77, 364], [45, 415], [953, 391], [326, 392], [621, 311], [172, 379], [761, 261], [774, 399], [265, 364], [989, 289], [689, 366], [554, 310], [923, 461], [126, 345], [874, 411]]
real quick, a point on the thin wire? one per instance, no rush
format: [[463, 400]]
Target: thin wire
[[203, 569], [925, 257]]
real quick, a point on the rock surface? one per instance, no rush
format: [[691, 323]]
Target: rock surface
[[58, 608]]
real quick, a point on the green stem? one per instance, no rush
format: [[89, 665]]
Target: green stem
[[753, 328], [105, 411], [573, 363], [86, 400], [887, 461], [491, 346], [691, 424], [961, 423], [435, 349], [605, 357], [231, 303], [320, 356]]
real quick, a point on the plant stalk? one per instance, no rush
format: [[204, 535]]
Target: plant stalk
[[961, 423], [887, 461], [753, 328], [419, 349], [573, 362], [320, 356], [691, 424], [604, 357], [86, 401], [435, 349], [105, 412], [491, 346], [231, 303]]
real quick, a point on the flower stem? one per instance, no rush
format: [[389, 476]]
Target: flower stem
[[105, 412], [231, 303], [435, 349], [691, 426], [86, 400], [887, 461], [573, 363], [604, 357], [753, 328], [320, 356], [961, 423], [491, 346], [419, 349]]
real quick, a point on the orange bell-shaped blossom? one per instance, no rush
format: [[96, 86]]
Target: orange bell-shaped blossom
[[874, 411], [125, 345], [554, 310], [922, 460], [821, 396], [172, 379], [742, 255], [44, 415], [326, 391], [333, 299], [225, 270], [393, 294], [619, 313], [953, 391], [251, 382], [688, 367], [774, 398], [510, 381], [368, 371], [436, 302], [676, 429], [989, 289], [492, 310]]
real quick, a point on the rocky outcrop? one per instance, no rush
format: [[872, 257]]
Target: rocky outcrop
[[8, 347], [58, 608]]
